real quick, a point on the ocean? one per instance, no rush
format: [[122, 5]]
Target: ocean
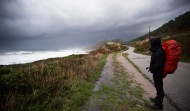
[[27, 56]]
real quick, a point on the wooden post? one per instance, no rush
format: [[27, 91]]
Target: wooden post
[[42, 67], [149, 33]]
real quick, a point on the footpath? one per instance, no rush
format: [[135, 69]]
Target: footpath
[[176, 86], [122, 88]]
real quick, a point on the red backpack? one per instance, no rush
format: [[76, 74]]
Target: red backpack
[[173, 52]]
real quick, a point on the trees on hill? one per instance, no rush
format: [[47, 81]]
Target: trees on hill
[[179, 24]]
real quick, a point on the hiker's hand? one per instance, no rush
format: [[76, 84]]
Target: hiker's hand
[[148, 68]]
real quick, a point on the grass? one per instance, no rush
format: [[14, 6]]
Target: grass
[[53, 84], [142, 48], [182, 39], [134, 65], [126, 57]]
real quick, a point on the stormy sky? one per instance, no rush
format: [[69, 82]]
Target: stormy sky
[[62, 24]]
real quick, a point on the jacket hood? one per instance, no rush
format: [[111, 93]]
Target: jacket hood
[[155, 43]]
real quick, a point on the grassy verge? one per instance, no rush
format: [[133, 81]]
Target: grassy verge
[[53, 84], [123, 93], [126, 57], [182, 39], [134, 65]]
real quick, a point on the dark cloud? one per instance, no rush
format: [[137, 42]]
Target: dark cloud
[[178, 3], [73, 23]]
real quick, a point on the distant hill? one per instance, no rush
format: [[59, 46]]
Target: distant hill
[[178, 29], [104, 42], [98, 45], [122, 42], [179, 25]]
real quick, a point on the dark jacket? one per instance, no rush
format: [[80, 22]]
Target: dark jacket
[[158, 57]]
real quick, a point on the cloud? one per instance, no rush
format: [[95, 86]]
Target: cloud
[[83, 20]]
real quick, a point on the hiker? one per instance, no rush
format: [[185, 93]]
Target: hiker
[[157, 63]]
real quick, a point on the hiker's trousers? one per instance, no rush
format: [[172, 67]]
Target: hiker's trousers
[[158, 81]]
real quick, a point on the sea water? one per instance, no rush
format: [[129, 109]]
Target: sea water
[[27, 56]]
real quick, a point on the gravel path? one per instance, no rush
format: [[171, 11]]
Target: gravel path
[[145, 84], [176, 86], [107, 75]]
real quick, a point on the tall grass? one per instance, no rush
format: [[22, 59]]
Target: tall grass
[[53, 84], [183, 40]]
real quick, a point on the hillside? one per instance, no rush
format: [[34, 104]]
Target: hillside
[[104, 42], [178, 29], [180, 24], [98, 45]]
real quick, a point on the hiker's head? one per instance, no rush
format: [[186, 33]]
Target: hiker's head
[[155, 42]]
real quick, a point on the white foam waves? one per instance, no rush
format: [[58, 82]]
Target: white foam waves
[[20, 57]]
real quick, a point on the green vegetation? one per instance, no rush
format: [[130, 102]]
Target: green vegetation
[[181, 24], [142, 49], [123, 47], [53, 84], [126, 57], [134, 65], [182, 39], [177, 29], [122, 94], [115, 47]]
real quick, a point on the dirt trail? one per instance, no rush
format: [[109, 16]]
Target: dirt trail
[[105, 78], [149, 89], [106, 74], [120, 88]]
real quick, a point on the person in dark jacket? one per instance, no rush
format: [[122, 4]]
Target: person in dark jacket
[[158, 59]]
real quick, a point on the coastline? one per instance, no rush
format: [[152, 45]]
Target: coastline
[[62, 83], [22, 57]]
